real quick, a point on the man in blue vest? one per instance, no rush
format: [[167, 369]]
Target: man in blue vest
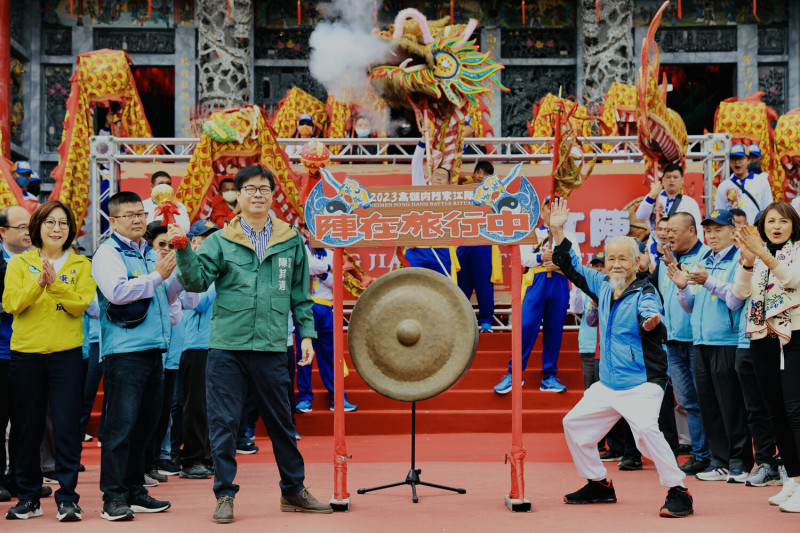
[[706, 292], [685, 249], [14, 239], [135, 288]]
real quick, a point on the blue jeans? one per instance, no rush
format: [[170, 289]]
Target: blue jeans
[[545, 304], [134, 386], [37, 379], [476, 275], [229, 376], [323, 350], [679, 358]]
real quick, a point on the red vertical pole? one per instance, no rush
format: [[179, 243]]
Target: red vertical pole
[[5, 76], [517, 455], [340, 493]]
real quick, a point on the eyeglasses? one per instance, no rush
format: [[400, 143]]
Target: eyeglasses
[[251, 190], [164, 244], [131, 216], [51, 223], [21, 228]]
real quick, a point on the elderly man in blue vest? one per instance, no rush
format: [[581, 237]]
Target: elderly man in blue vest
[[685, 249], [633, 369], [707, 293], [135, 290]]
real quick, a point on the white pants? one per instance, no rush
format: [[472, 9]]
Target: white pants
[[599, 409]]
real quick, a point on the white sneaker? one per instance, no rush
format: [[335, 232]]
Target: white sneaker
[[792, 505], [789, 486], [713, 473]]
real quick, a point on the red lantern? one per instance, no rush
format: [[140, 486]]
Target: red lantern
[[314, 156]]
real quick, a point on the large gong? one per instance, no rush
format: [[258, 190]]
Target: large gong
[[412, 334]]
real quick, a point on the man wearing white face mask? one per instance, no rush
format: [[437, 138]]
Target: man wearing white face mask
[[224, 205], [363, 130]]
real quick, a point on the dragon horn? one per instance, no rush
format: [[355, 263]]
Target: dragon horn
[[467, 33], [411, 13], [511, 175], [328, 177]]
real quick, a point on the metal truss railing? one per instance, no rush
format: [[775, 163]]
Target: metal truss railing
[[107, 153]]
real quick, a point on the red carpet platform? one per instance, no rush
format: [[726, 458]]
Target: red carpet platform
[[469, 407], [472, 461]]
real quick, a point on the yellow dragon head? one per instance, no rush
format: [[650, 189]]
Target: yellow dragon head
[[433, 61]]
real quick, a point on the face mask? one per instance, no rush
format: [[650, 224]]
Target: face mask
[[304, 131], [754, 167], [22, 181], [229, 196], [362, 132], [35, 188]]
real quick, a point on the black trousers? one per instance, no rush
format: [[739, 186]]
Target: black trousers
[[94, 373], [5, 417], [757, 414], [36, 380], [590, 367], [719, 395], [228, 376], [196, 446], [781, 391], [134, 386], [162, 424]]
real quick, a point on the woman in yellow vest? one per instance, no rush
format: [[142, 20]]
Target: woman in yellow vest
[[47, 290]]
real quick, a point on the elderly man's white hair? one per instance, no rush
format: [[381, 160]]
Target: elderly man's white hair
[[630, 242]]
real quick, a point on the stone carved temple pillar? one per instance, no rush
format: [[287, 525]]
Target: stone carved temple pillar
[[225, 62], [608, 47]]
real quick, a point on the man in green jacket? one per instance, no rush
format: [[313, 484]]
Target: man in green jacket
[[258, 264]]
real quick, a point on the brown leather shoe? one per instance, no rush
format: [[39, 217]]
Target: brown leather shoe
[[223, 514], [303, 502]]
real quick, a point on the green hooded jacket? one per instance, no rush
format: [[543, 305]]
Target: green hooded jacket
[[251, 311]]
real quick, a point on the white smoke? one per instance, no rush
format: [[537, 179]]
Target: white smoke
[[343, 51]]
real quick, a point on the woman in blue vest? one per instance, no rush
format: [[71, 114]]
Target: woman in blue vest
[[48, 287]]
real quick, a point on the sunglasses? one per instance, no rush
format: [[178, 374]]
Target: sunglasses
[[166, 245]]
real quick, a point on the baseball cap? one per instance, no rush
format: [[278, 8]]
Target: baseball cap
[[722, 217], [305, 117], [22, 167], [201, 228], [599, 257], [35, 176], [754, 149], [738, 150], [547, 199]]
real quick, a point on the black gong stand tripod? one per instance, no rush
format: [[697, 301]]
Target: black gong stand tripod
[[413, 475]]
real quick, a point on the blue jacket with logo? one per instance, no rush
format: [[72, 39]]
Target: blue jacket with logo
[[713, 323], [629, 355], [678, 321], [154, 332]]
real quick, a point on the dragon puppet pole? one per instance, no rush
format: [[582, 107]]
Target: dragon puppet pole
[[340, 494], [515, 500]]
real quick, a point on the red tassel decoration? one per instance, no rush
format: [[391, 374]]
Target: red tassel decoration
[[452, 9], [229, 10], [149, 8], [597, 10], [70, 8], [754, 9], [299, 19], [680, 12], [523, 12]]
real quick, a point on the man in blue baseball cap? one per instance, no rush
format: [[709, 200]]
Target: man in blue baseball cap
[[305, 130], [29, 182], [706, 291], [745, 189], [754, 157]]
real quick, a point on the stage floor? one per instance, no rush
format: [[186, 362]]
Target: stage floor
[[471, 461]]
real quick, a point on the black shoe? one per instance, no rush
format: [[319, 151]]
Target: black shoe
[[682, 449], [695, 466], [46, 492], [24, 509], [678, 504], [158, 476], [593, 492], [610, 456], [144, 503], [167, 468], [69, 512], [116, 512], [81, 468], [195, 472], [630, 463], [5, 496]]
